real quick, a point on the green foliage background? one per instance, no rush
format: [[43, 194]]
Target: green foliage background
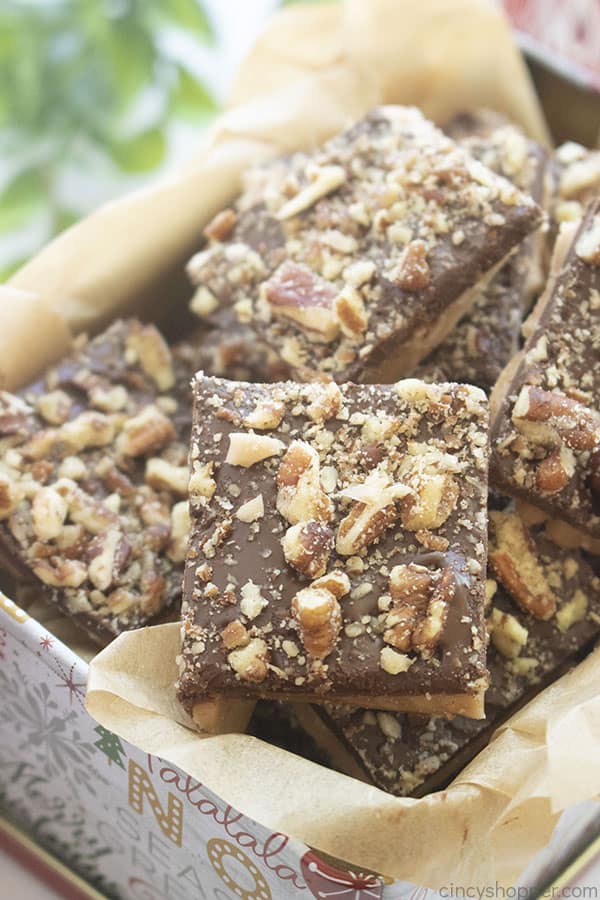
[[73, 74], [89, 87]]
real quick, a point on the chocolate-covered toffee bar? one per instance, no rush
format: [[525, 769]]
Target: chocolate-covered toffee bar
[[546, 423], [231, 350], [93, 478], [544, 609], [354, 262], [479, 347], [338, 544]]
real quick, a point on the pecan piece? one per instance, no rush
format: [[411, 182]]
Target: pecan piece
[[11, 494], [48, 513], [319, 618], [250, 662], [307, 547], [512, 556], [549, 418], [147, 432], [146, 345], [373, 512], [221, 226], [421, 600], [351, 313], [325, 401], [588, 245], [247, 449], [412, 272], [506, 633], [61, 573], [323, 180], [555, 471], [297, 293], [300, 495], [235, 635]]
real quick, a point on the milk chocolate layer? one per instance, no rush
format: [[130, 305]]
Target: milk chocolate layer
[[338, 544], [354, 261], [546, 422], [414, 755], [93, 478]]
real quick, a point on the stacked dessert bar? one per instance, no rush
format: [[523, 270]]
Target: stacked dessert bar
[[321, 490]]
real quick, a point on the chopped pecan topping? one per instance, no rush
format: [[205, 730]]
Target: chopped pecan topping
[[300, 496], [89, 429], [101, 568], [412, 272], [235, 635], [507, 634], [251, 510], [11, 495], [319, 619], [250, 662], [573, 611], [420, 602], [265, 415], [336, 582], [54, 407], [373, 512], [147, 432], [162, 475], [147, 346], [93, 514], [295, 292], [326, 402], [48, 513], [61, 573], [307, 547], [550, 418], [246, 448], [434, 490], [180, 529], [555, 471], [325, 179], [202, 485], [394, 663], [351, 313], [513, 558], [221, 226], [588, 245], [252, 602]]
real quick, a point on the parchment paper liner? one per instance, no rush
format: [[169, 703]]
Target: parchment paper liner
[[315, 69], [496, 815]]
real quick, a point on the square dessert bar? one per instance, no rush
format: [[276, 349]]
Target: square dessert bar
[[94, 477], [355, 261], [546, 423], [544, 610], [338, 544], [483, 342]]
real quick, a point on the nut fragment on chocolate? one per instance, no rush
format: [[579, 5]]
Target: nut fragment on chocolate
[[546, 419], [93, 462], [318, 580], [347, 261]]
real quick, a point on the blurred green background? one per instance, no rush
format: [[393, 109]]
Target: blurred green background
[[98, 96]]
